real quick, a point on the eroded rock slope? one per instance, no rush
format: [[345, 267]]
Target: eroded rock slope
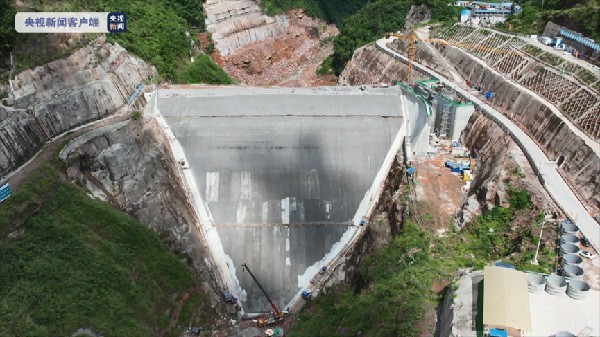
[[578, 160], [128, 165], [235, 23], [92, 83]]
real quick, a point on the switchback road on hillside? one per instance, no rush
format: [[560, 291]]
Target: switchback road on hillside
[[549, 176]]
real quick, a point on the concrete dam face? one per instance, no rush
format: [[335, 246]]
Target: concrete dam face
[[281, 172]]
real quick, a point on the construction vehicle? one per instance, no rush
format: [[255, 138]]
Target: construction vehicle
[[277, 314]]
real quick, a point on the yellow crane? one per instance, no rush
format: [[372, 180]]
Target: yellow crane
[[413, 39]]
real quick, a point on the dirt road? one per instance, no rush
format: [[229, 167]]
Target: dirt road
[[17, 178]]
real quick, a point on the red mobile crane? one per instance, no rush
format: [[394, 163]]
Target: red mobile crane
[[277, 314]]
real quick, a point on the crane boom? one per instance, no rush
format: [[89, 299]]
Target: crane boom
[[278, 313], [413, 39]]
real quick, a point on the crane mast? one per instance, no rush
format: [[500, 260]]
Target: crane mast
[[278, 313]]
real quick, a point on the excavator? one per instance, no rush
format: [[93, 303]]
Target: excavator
[[277, 314]]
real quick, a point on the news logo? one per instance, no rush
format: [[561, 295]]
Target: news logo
[[71, 22], [117, 22]]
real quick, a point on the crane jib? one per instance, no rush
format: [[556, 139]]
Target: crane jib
[[277, 312]]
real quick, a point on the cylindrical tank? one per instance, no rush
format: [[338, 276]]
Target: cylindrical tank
[[572, 259], [563, 334], [556, 285], [578, 289], [569, 228], [573, 271], [568, 248], [569, 238], [535, 283]]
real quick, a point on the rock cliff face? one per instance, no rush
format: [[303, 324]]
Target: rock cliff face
[[370, 66], [490, 144], [127, 164], [20, 137], [500, 161], [235, 23], [92, 83], [578, 162]]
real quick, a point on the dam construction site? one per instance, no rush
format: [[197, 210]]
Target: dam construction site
[[441, 180]]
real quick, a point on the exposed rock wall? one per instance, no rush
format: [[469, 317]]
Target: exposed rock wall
[[490, 144], [235, 23], [499, 161], [370, 66], [127, 165], [581, 165], [92, 83], [20, 138]]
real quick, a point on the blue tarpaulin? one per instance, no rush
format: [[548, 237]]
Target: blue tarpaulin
[[498, 333], [504, 265], [5, 192], [411, 170]]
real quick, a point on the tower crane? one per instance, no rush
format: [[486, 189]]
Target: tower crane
[[277, 314], [413, 39]]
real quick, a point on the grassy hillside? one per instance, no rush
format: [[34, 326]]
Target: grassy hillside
[[392, 293], [156, 33], [73, 262]]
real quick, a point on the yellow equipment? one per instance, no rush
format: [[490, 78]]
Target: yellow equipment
[[413, 39]]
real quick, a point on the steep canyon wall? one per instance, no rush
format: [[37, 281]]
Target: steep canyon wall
[[579, 161], [92, 83], [129, 165]]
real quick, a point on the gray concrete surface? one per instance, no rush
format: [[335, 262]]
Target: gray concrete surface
[[282, 156]]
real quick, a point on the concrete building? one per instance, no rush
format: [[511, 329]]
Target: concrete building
[[580, 43], [506, 301], [451, 113], [493, 12]]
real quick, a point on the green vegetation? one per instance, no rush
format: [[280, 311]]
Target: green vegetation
[[551, 59], [8, 34], [581, 16], [392, 290], [137, 114], [204, 70], [74, 262], [377, 18], [361, 21], [326, 68], [155, 32], [330, 10]]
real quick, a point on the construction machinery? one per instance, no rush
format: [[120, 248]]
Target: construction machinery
[[413, 39], [277, 314]]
